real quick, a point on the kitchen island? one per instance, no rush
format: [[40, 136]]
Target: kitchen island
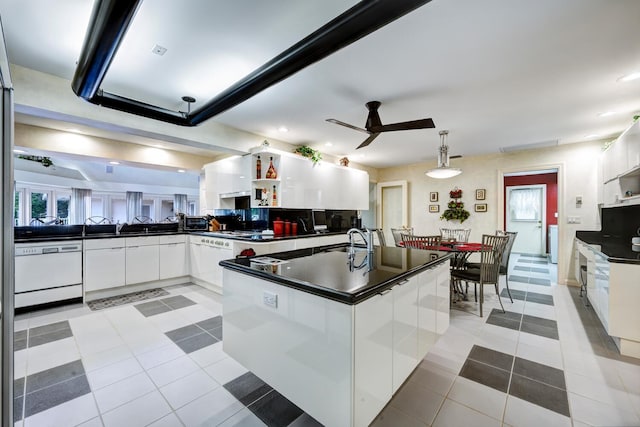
[[335, 329]]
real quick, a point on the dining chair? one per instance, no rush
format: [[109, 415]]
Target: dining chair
[[455, 234], [420, 242], [396, 232], [380, 235], [506, 255], [489, 271]]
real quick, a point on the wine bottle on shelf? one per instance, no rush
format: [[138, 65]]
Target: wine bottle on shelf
[[271, 172], [258, 168], [275, 197]]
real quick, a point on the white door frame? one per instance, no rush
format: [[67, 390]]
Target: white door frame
[[405, 201], [543, 212]]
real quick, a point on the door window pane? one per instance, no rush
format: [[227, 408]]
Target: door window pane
[[39, 205], [17, 208], [97, 206], [62, 207], [524, 204], [118, 211], [148, 209]]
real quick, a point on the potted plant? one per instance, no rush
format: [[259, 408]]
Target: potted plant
[[314, 155], [455, 208]]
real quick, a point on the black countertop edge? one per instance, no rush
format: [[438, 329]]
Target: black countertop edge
[[332, 294], [261, 238], [95, 236], [615, 248]]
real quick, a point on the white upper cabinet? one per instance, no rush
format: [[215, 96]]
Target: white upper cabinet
[[631, 139], [226, 178], [621, 168]]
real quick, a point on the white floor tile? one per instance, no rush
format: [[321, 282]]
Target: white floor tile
[[94, 422], [453, 414], [52, 354], [600, 414], [208, 355], [70, 413], [169, 320], [170, 420], [540, 310], [146, 341], [546, 356], [19, 364], [119, 393], [173, 370], [417, 401], [91, 344], [496, 342], [159, 356], [210, 409], [245, 418], [197, 313], [430, 376], [520, 413], [137, 413], [476, 396], [225, 370], [188, 388], [598, 390], [445, 360], [392, 417], [105, 358], [113, 373]]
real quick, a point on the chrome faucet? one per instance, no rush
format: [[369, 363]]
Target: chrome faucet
[[367, 238]]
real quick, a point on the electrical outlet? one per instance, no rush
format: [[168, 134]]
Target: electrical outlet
[[573, 220], [270, 299]]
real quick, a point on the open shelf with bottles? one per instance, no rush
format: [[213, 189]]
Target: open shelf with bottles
[[265, 182]]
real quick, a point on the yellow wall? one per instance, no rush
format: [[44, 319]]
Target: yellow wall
[[578, 175]]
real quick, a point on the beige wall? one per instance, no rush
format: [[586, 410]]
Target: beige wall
[[578, 166]]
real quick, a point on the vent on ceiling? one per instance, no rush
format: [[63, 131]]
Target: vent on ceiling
[[109, 169], [159, 50], [521, 147]]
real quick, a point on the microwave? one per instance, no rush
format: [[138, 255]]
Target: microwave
[[196, 223]]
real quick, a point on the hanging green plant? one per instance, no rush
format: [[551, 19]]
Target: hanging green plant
[[455, 208], [314, 155], [45, 161]]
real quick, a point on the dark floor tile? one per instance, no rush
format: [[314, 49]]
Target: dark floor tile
[[521, 279], [18, 405], [536, 281], [519, 295], [504, 322], [519, 268], [52, 327], [53, 376], [511, 315], [305, 420], [212, 323], [247, 388], [217, 333], [35, 340], [20, 335], [55, 395], [485, 375], [540, 298], [524, 260], [152, 308], [491, 357], [178, 301], [196, 342], [542, 331], [540, 321], [275, 410], [18, 387], [183, 333], [540, 262], [540, 270], [540, 394], [539, 372], [19, 344]]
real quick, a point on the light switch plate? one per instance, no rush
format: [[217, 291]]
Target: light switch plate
[[270, 299]]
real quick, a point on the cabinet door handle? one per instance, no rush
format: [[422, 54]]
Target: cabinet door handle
[[386, 291], [403, 282]]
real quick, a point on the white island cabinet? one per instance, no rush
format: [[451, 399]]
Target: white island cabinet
[[340, 361]]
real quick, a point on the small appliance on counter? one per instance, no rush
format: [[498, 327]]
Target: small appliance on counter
[[196, 223]]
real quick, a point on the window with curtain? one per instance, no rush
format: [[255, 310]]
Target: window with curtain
[[524, 204]]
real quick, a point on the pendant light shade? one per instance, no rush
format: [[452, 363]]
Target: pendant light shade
[[443, 170]]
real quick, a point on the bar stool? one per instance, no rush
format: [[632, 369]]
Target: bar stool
[[583, 284]]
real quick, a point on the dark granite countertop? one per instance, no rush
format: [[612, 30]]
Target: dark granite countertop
[[327, 271], [258, 236], [91, 237], [616, 248]]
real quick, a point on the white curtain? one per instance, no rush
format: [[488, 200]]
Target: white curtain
[[524, 204], [134, 205], [179, 204], [80, 205]]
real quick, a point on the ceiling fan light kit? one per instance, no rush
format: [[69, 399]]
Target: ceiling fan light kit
[[443, 170]]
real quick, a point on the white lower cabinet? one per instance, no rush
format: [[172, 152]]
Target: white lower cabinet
[[428, 310], [104, 264], [405, 329], [173, 257], [142, 259]]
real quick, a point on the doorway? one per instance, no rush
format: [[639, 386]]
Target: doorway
[[392, 207], [525, 211]]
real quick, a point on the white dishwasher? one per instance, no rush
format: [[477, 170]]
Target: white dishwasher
[[48, 272]]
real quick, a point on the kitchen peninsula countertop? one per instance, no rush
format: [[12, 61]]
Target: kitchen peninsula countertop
[[336, 272], [616, 248]]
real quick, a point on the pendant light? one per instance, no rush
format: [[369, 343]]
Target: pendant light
[[443, 170]]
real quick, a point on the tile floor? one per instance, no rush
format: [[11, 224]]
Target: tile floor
[[546, 361]]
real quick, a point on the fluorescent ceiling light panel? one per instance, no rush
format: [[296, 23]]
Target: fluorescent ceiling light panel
[[630, 77], [532, 146]]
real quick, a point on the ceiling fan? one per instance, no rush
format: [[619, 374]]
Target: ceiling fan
[[374, 126]]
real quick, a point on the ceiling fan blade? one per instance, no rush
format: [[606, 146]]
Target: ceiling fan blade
[[457, 156], [368, 140], [338, 122], [413, 124]]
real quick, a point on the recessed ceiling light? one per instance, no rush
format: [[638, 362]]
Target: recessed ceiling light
[[592, 135], [329, 144], [159, 50], [74, 130], [16, 150], [181, 171], [630, 77], [283, 129], [114, 163], [158, 145], [607, 114]]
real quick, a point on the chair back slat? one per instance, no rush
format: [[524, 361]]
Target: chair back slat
[[491, 256], [420, 242], [457, 234], [397, 232], [504, 263]]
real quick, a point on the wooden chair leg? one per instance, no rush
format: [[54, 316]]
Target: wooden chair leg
[[499, 299], [506, 279], [481, 297]]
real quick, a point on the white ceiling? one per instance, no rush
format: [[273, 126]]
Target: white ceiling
[[495, 73]]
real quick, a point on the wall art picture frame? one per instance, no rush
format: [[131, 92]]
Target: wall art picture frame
[[481, 194], [480, 207], [434, 208], [433, 196]]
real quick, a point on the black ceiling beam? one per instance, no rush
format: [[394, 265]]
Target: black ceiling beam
[[110, 20]]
